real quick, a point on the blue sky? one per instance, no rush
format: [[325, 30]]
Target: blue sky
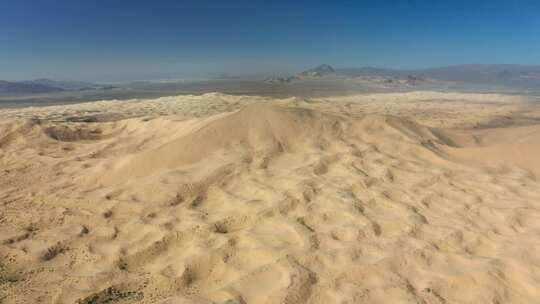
[[108, 40]]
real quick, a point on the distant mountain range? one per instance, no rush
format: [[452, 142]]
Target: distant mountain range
[[471, 75], [47, 86], [21, 88], [511, 75]]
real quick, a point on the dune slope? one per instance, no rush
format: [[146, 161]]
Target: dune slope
[[267, 204]]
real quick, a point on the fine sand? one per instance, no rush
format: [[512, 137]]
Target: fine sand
[[419, 197]]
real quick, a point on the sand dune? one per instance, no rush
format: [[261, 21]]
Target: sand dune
[[236, 199], [519, 146]]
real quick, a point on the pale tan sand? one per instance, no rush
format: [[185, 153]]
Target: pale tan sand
[[382, 198]]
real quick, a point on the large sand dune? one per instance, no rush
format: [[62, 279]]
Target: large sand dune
[[418, 197]]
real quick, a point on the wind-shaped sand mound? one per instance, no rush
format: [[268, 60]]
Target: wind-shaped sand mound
[[267, 130], [259, 129], [268, 204]]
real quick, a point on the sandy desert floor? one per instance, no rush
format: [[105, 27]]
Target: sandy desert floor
[[419, 197]]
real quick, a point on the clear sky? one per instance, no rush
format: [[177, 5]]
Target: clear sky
[[110, 40]]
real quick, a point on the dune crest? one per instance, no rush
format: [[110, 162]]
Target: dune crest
[[256, 129]]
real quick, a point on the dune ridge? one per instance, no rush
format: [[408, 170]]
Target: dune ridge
[[268, 201]]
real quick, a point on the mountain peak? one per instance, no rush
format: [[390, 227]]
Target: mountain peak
[[321, 70], [324, 67]]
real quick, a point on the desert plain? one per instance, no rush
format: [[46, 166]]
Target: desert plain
[[411, 197]]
